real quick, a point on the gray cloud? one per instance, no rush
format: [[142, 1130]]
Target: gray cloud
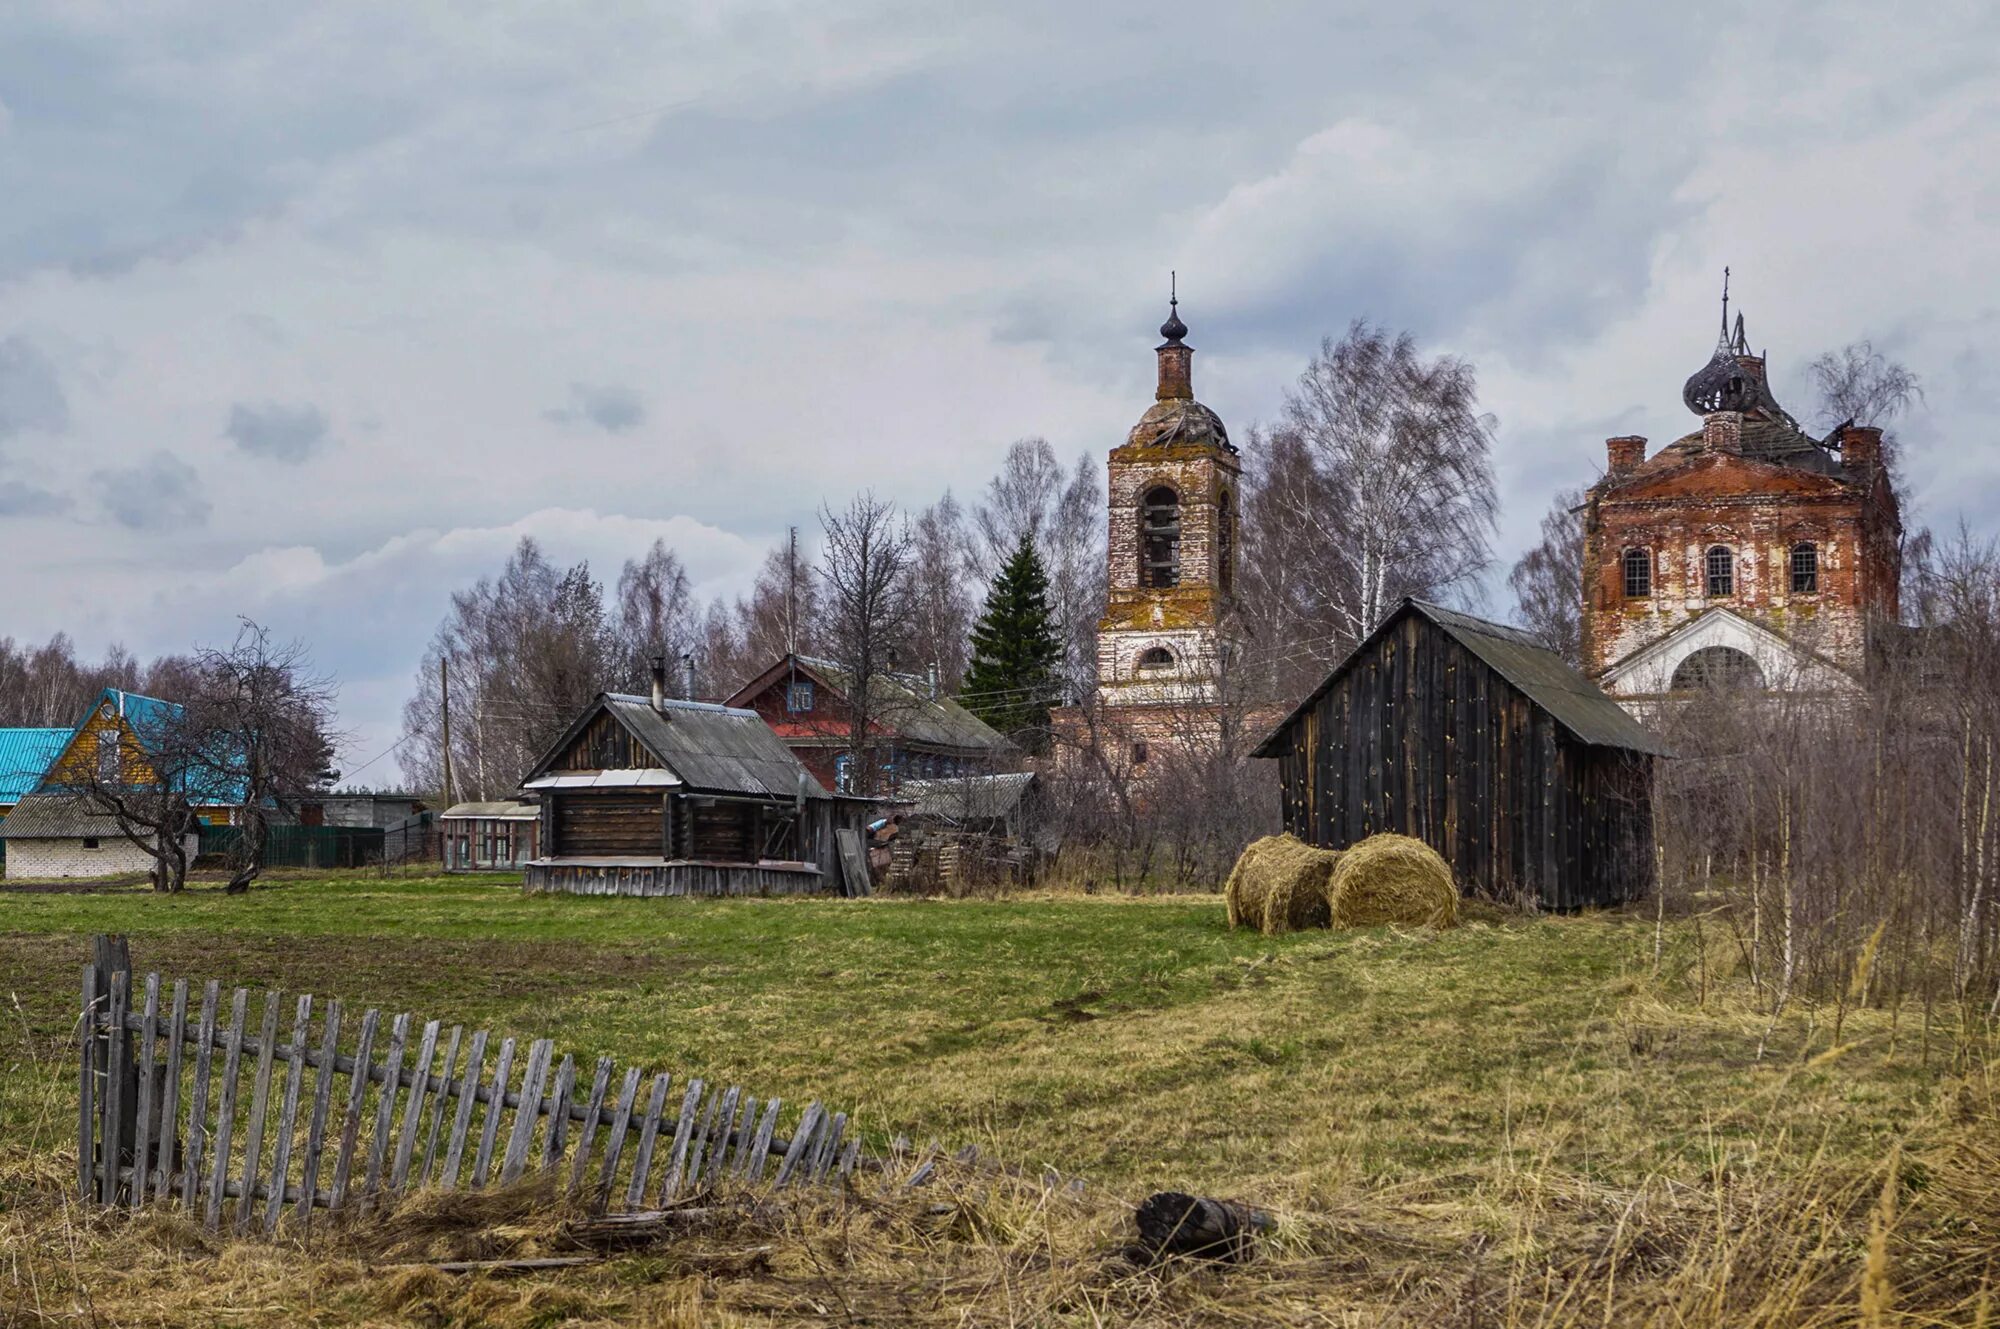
[[282, 433], [25, 500], [160, 493], [611, 408], [31, 396]]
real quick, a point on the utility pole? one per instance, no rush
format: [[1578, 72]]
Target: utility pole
[[792, 592], [444, 699]]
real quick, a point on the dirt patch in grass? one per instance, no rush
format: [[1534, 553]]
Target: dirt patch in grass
[[446, 978]]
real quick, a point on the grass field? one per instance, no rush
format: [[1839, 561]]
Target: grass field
[[1450, 1120]]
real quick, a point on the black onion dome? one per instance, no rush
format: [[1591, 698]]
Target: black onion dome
[[1173, 329]]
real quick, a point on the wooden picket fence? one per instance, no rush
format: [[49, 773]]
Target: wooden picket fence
[[333, 1122]]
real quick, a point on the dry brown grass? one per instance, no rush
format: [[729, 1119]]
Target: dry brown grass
[[975, 1249]]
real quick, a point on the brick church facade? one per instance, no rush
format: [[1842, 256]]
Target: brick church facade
[[1746, 552]]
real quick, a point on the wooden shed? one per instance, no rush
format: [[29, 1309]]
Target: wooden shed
[[497, 836], [1474, 738], [658, 796]]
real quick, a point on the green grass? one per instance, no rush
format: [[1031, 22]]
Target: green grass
[[1136, 1041]]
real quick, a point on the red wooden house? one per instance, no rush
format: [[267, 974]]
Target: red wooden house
[[915, 732]]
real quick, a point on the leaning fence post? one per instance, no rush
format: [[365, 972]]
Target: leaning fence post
[[114, 1057], [86, 1110]]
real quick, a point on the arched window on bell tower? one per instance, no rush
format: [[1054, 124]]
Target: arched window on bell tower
[[1160, 539]]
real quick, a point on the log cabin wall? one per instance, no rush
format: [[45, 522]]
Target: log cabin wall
[[621, 823], [1423, 738]]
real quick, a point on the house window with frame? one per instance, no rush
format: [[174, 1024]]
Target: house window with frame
[[1638, 574], [1140, 753], [1160, 539], [90, 842], [1805, 568], [110, 758], [799, 696], [1721, 572], [843, 773]]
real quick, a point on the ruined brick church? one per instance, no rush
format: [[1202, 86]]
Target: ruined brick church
[[1745, 553]]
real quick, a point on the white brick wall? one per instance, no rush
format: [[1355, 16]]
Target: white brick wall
[[115, 856]]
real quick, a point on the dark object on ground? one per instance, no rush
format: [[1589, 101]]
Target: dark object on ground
[[1173, 1223]]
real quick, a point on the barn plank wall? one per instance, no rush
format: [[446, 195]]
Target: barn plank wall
[[1423, 738]]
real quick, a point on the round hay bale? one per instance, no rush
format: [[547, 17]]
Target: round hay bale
[[1244, 892], [1392, 879], [1280, 885]]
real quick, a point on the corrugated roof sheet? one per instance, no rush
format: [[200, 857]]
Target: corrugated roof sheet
[[504, 810], [968, 798], [715, 749], [56, 817], [905, 705], [25, 755], [1576, 703]]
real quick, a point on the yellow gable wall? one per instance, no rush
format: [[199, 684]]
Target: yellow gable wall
[[78, 761]]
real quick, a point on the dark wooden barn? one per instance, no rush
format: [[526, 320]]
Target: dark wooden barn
[[657, 796], [1472, 737]]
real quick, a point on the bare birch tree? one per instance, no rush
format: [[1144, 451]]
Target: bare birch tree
[[1403, 501], [864, 571], [1547, 581]]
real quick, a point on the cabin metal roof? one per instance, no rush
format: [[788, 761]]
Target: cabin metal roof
[[25, 757], [1573, 701]]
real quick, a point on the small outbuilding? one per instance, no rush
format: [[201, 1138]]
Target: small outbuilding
[[658, 796], [498, 836], [1474, 738]]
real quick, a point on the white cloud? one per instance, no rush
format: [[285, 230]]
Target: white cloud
[[770, 254]]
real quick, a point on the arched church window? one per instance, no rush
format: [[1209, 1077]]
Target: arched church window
[[1638, 573], [1721, 572], [1719, 669], [1160, 539], [1225, 542], [1805, 568], [1159, 657]]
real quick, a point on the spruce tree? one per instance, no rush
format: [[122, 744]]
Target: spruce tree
[[1016, 647]]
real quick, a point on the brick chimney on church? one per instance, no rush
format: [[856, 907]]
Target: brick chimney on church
[[1624, 453], [1722, 431], [1860, 449]]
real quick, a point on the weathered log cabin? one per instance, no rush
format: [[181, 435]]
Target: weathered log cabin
[[1477, 740], [657, 796]]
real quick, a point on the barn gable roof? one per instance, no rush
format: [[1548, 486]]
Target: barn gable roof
[[1573, 701], [713, 749]]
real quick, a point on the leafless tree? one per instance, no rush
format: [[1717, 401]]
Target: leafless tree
[[257, 731], [864, 572], [657, 615], [1858, 383], [252, 729], [942, 604], [522, 655], [1547, 581], [48, 686], [1387, 479]]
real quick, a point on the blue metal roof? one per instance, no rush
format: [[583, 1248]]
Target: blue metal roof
[[25, 755], [149, 718]]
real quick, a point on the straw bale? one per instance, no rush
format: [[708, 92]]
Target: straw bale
[[1392, 879], [1280, 885]]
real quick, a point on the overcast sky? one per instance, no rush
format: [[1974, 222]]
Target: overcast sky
[[308, 312]]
